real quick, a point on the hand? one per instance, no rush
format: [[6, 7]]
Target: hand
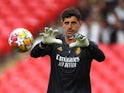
[[48, 37], [81, 41]]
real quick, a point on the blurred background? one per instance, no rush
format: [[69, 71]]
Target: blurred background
[[103, 23]]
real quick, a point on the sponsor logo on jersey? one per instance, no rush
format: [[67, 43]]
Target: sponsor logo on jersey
[[67, 62]]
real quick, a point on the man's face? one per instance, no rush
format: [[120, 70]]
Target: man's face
[[71, 26]]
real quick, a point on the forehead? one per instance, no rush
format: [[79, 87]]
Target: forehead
[[69, 19]]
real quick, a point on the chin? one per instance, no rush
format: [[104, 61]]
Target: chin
[[70, 36]]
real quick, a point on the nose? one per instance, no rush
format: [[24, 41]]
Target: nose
[[70, 25]]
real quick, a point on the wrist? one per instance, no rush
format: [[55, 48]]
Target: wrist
[[92, 45], [41, 45]]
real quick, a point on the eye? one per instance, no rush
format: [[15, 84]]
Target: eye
[[66, 22], [73, 22]]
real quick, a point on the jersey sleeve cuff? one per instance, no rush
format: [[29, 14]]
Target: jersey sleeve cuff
[[42, 46]]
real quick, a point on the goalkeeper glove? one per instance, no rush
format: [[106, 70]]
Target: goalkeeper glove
[[81, 41], [48, 37]]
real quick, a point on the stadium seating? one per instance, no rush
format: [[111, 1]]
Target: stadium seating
[[31, 75], [107, 77], [33, 15]]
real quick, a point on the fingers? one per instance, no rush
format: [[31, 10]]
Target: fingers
[[46, 29], [41, 34], [44, 35], [58, 41], [79, 36], [55, 32], [50, 31], [72, 44]]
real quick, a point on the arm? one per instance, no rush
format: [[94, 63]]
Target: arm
[[95, 52], [48, 38], [93, 49], [39, 50]]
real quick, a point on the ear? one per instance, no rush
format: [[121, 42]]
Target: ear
[[62, 22], [81, 22]]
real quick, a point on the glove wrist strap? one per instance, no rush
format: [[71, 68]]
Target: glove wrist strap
[[41, 45]]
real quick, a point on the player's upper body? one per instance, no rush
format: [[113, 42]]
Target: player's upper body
[[71, 56]]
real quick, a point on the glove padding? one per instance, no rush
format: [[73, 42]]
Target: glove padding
[[48, 37], [81, 41]]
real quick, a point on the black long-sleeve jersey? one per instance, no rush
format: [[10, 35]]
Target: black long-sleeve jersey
[[70, 67]]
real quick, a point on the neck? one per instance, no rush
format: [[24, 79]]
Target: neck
[[68, 40]]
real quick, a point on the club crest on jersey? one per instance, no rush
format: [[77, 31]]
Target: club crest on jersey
[[77, 51], [59, 48]]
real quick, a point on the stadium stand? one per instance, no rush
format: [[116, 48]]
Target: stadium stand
[[31, 15], [31, 75]]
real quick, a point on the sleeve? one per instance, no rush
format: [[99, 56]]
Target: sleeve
[[40, 50], [95, 52]]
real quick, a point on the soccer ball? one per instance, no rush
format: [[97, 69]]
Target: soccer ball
[[21, 40]]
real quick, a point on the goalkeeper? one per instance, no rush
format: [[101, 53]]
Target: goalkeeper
[[71, 55]]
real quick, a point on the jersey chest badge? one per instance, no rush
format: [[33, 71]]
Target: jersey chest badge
[[59, 48], [77, 51]]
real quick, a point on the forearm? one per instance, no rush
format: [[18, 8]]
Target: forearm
[[96, 53], [39, 50]]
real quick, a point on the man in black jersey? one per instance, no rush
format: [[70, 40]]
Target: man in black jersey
[[71, 55]]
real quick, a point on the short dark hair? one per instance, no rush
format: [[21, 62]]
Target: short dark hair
[[69, 12]]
